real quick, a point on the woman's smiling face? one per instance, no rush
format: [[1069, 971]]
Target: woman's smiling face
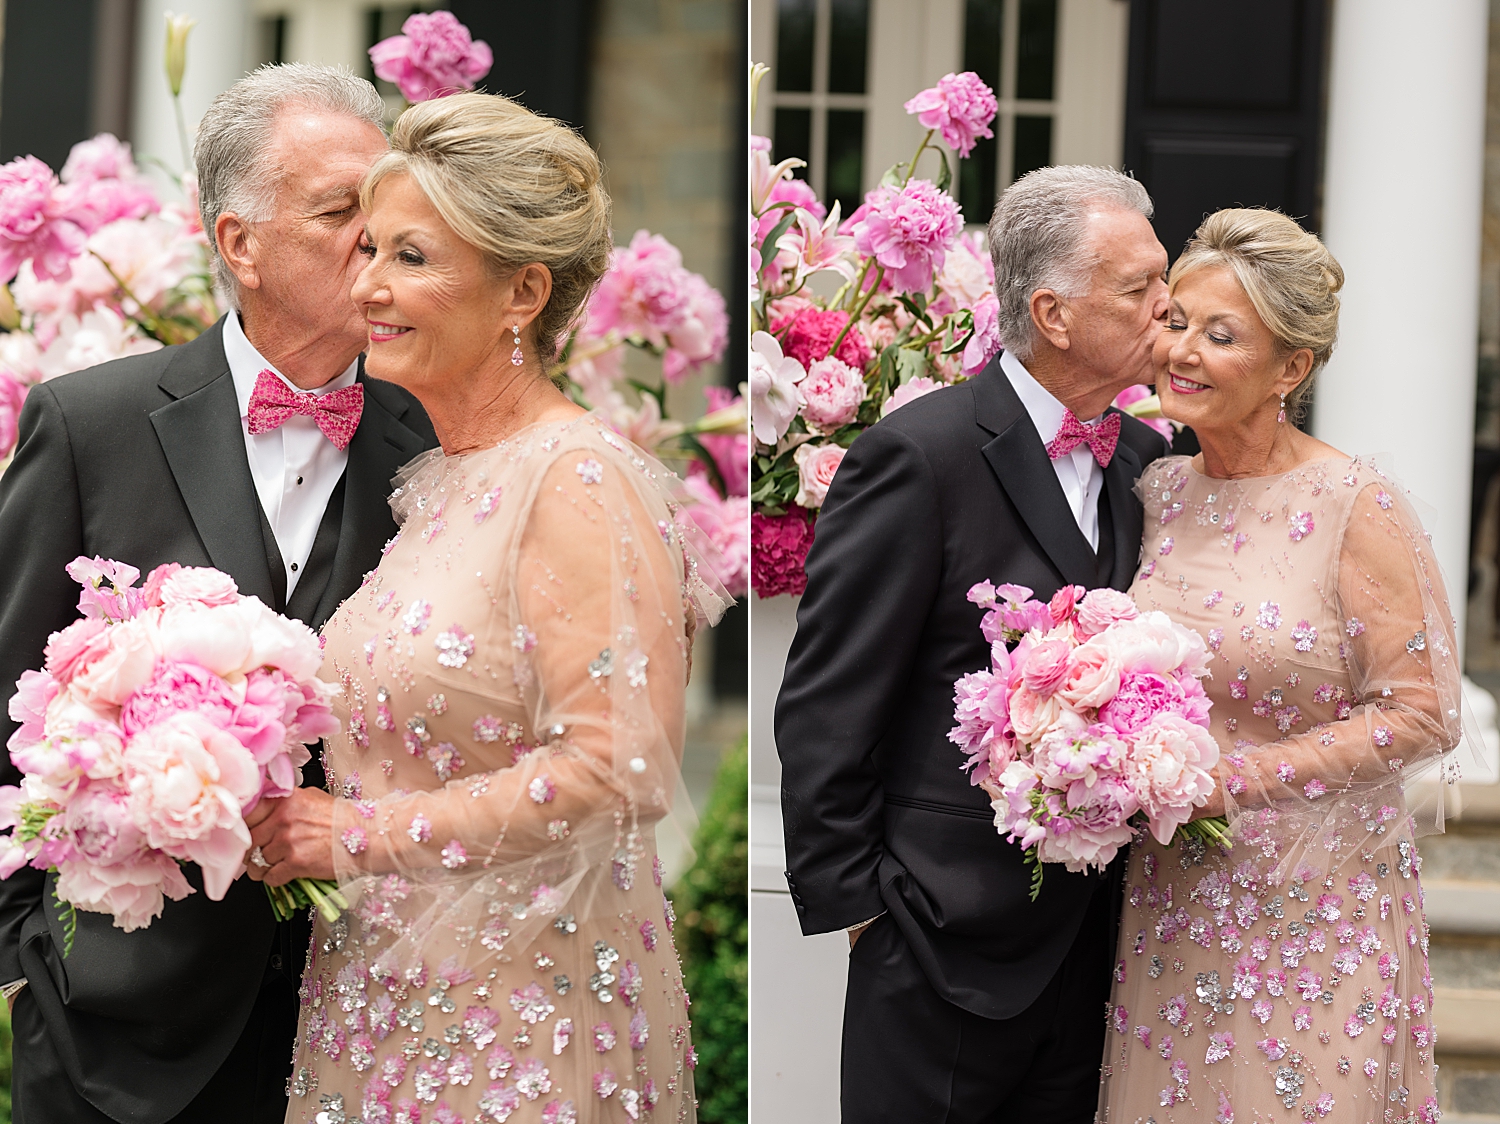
[[1218, 365]]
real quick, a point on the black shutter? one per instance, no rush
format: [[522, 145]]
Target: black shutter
[[1224, 108]]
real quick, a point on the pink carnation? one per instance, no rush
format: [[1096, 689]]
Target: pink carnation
[[960, 106], [778, 549], [832, 393], [37, 221], [12, 396], [811, 334], [908, 232], [432, 57]]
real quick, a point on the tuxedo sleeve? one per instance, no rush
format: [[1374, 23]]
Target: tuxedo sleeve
[[40, 533], [872, 575]]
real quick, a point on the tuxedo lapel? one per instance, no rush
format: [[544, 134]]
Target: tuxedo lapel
[[381, 445], [204, 445], [1019, 460], [1119, 483]]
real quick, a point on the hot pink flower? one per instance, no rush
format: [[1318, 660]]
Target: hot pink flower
[[832, 393], [778, 549], [12, 396], [151, 588], [960, 106], [909, 391], [908, 232], [1141, 697], [1061, 604], [816, 465], [37, 221], [432, 57], [985, 343], [812, 332]]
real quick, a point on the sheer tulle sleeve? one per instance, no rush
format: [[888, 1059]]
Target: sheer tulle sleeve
[[1403, 711]]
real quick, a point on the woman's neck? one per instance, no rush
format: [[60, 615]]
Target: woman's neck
[[1257, 446], [482, 409]]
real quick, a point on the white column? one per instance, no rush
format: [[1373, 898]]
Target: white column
[[1401, 212], [218, 55], [331, 32]]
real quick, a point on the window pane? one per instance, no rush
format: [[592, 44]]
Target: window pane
[[1033, 145], [982, 35], [1036, 49], [794, 43], [976, 181], [848, 45], [846, 158], [793, 137]]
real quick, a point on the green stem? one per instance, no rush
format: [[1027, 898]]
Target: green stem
[[182, 137], [859, 305], [912, 168]]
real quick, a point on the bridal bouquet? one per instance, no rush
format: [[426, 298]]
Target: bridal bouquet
[[161, 717], [1091, 720]]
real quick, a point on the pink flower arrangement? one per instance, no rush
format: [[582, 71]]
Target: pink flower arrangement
[[907, 231], [832, 393], [810, 335], [816, 465], [12, 395], [910, 392], [1095, 719], [725, 524], [39, 222], [778, 549], [432, 57], [960, 107], [161, 717], [730, 451]]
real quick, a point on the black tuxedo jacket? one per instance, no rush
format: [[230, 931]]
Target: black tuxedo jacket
[[143, 460], [951, 489]]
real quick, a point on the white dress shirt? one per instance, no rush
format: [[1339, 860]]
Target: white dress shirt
[[1078, 472], [294, 466]]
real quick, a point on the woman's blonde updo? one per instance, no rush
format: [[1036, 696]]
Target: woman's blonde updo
[[518, 187], [1288, 274]]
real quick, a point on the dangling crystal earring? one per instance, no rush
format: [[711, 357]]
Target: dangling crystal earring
[[1280, 418], [516, 358]]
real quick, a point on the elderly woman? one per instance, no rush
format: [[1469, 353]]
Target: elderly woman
[[512, 679], [1289, 978]]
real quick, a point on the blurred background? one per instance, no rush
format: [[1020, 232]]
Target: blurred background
[[657, 87], [1375, 123]]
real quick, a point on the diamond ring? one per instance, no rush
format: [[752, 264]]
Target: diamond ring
[[259, 859]]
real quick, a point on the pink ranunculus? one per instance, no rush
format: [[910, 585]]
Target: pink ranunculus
[[201, 584], [126, 664], [960, 107], [730, 451], [908, 232], [1141, 697], [778, 551], [1093, 676], [1100, 608], [832, 393], [1171, 770], [37, 223], [75, 647], [189, 782], [1061, 606], [811, 334], [12, 397], [1047, 666], [432, 57], [985, 343], [725, 523], [816, 465], [179, 687], [909, 391], [35, 691]]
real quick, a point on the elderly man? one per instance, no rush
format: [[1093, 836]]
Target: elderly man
[[966, 1001], [207, 454]]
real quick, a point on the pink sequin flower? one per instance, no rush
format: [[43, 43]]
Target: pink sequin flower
[[960, 107], [1300, 526], [454, 855], [908, 232], [432, 57]]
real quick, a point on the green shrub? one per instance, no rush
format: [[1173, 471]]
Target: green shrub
[[713, 929]]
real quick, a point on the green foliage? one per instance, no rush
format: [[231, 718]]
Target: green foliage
[[4, 1064], [713, 930]]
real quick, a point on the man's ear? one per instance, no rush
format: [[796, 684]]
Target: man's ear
[[236, 243], [1052, 317]]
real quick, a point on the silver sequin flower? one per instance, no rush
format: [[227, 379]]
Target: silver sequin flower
[[454, 646], [590, 471], [417, 614]]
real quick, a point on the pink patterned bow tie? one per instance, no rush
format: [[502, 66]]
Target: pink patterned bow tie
[[335, 413], [1101, 439]]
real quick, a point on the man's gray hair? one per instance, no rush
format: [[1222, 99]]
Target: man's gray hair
[[1037, 239], [230, 152]]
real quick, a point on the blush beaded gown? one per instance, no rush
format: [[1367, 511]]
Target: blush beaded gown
[[512, 681], [1289, 980]]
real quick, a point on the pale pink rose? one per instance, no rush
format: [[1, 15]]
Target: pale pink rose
[[1093, 677], [1141, 697], [432, 57], [985, 342], [189, 782], [35, 691], [214, 637], [816, 465], [128, 661], [1171, 769], [879, 332], [1032, 716], [202, 584], [75, 647], [832, 393], [12, 397], [1047, 666], [909, 391], [1100, 608]]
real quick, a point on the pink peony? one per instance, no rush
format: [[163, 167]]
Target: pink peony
[[700, 332], [433, 56], [985, 343], [98, 203], [1171, 770], [37, 221], [778, 549], [214, 637], [982, 709], [816, 465], [277, 719], [909, 391], [1047, 666], [189, 782], [730, 451], [35, 691], [960, 106], [199, 584], [811, 333], [648, 294], [1095, 828], [832, 393], [102, 157], [908, 232], [725, 523], [126, 664], [1100, 608], [177, 688], [1152, 642], [12, 396], [75, 647], [1141, 697]]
